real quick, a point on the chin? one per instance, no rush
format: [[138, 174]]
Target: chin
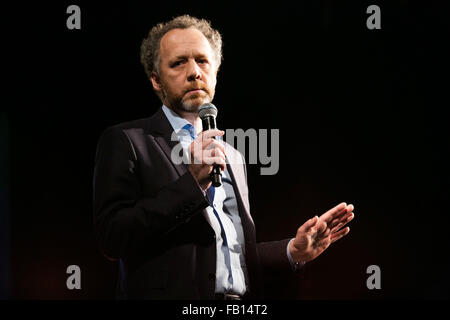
[[193, 104]]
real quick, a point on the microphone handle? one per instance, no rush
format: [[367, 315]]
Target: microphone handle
[[215, 175]]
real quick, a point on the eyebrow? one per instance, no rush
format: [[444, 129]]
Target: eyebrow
[[183, 56]]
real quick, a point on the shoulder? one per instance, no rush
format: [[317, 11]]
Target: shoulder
[[138, 124], [122, 135], [157, 124]]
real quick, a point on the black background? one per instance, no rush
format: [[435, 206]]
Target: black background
[[361, 113]]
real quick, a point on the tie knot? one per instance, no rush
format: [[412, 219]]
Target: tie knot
[[189, 127]]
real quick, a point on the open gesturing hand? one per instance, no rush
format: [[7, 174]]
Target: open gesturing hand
[[316, 234]]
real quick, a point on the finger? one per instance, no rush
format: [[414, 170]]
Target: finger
[[213, 153], [211, 159], [203, 141], [306, 227], [327, 232], [337, 228], [215, 160], [196, 145], [218, 153], [208, 134], [321, 227], [341, 216], [207, 143], [333, 212], [346, 219], [214, 144], [338, 235], [341, 220], [343, 223]]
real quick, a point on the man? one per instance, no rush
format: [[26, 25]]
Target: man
[[175, 235]]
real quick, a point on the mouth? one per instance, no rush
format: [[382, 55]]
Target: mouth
[[194, 91]]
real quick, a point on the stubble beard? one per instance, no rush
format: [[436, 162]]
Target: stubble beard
[[189, 104], [192, 105]]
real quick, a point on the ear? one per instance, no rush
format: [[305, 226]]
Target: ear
[[156, 82]]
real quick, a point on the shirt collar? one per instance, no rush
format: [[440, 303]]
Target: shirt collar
[[177, 124], [175, 120]]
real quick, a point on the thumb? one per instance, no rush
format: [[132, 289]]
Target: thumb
[[309, 224]]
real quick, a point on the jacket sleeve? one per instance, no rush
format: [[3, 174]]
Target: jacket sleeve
[[124, 220], [273, 256]]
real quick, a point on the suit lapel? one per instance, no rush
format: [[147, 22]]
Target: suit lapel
[[161, 129], [236, 170], [167, 147]]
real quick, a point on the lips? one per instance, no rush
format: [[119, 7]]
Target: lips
[[194, 91]]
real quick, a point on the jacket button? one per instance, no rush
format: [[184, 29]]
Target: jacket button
[[211, 277]]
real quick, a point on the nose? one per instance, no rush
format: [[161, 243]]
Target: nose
[[193, 71]]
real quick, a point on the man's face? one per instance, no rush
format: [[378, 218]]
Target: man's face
[[187, 73]]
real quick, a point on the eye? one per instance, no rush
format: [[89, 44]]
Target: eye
[[176, 63], [202, 61]]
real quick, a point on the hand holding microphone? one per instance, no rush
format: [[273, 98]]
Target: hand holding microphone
[[207, 154]]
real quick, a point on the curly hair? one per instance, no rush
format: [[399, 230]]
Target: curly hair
[[150, 47]]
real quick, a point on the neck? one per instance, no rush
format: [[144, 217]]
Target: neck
[[191, 116]]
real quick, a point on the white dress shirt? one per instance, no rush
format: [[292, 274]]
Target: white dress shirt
[[237, 281]]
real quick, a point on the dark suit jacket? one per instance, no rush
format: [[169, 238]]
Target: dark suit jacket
[[148, 212]]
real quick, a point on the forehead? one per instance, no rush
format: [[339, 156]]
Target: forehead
[[178, 42]]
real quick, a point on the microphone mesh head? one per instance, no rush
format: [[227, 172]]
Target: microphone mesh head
[[207, 110]]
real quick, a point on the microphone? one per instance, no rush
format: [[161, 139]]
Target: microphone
[[208, 113]]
